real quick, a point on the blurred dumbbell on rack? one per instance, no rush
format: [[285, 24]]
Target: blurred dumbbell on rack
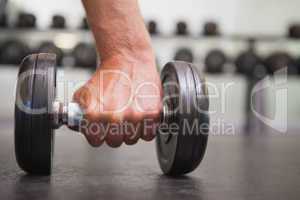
[[280, 60], [298, 65], [249, 64], [152, 27], [3, 20], [294, 31], [84, 24], [184, 54], [85, 55], [50, 47], [58, 22], [26, 20], [215, 61], [182, 29], [12, 52], [210, 29]]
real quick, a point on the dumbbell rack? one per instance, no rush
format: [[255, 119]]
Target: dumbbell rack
[[166, 46]]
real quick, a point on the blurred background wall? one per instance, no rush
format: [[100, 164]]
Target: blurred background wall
[[234, 16]]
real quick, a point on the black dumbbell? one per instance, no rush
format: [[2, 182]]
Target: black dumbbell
[[210, 29], [280, 60], [50, 47], [215, 61], [249, 64], [152, 27], [26, 20], [298, 65], [58, 22], [184, 54], [38, 114], [181, 29], [13, 51], [84, 24], [85, 55], [3, 20], [294, 31]]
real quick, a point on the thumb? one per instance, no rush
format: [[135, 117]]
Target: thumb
[[83, 97]]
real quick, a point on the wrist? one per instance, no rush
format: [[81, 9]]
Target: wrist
[[133, 57]]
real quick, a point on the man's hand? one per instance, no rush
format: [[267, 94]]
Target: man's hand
[[122, 102]]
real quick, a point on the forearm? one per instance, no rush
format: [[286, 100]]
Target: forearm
[[118, 28]]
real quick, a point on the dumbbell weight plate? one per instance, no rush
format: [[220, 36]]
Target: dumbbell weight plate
[[26, 20], [50, 47], [280, 60], [182, 29], [58, 22], [294, 31], [249, 64], [84, 24], [185, 95], [3, 20], [13, 51], [184, 54], [215, 61], [211, 29], [85, 55], [152, 27], [35, 93], [298, 65]]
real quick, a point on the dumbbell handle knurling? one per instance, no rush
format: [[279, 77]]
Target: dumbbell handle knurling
[[71, 115]]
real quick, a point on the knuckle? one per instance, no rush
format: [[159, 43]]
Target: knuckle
[[94, 141], [118, 117], [148, 138], [114, 140], [113, 144], [82, 97], [132, 137], [93, 116], [137, 116], [131, 141], [149, 134]]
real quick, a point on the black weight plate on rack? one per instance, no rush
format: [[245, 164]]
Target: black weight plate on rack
[[298, 65], [35, 93], [211, 29], [13, 51], [184, 54], [85, 55], [50, 47], [215, 61], [279, 60], [186, 95], [58, 22]]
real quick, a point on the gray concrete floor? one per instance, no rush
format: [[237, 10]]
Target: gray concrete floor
[[234, 167]]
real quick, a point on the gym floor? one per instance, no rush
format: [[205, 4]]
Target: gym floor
[[234, 167]]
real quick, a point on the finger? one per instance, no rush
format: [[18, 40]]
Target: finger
[[132, 133], [83, 97], [114, 136], [150, 126], [93, 132]]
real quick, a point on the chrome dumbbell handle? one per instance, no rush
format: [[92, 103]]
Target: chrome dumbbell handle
[[69, 115]]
